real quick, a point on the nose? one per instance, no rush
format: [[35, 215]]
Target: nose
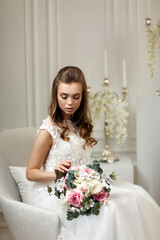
[[70, 101]]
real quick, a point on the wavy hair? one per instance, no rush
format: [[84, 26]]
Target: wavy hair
[[81, 119]]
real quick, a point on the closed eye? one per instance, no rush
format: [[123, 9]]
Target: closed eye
[[64, 97], [76, 98]]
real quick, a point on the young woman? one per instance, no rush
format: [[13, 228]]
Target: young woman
[[64, 140]]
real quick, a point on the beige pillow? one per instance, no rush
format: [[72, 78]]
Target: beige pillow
[[24, 186]]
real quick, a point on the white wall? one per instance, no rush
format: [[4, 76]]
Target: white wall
[[37, 37], [148, 145], [12, 65]]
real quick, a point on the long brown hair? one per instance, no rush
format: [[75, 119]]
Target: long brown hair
[[81, 119]]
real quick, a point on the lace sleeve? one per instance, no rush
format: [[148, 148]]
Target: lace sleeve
[[49, 127]]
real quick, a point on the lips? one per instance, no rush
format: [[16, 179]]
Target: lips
[[69, 109]]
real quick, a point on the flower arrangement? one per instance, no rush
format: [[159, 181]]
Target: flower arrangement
[[115, 112], [83, 190], [122, 116], [153, 47]]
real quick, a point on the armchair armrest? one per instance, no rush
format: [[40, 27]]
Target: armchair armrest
[[29, 222]]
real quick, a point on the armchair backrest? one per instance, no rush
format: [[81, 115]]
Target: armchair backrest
[[15, 148]]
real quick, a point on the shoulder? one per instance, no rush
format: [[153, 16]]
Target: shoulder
[[49, 127], [44, 137], [48, 121]]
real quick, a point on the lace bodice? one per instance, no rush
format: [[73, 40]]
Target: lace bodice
[[62, 150]]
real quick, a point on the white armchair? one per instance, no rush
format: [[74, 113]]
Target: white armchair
[[24, 221]]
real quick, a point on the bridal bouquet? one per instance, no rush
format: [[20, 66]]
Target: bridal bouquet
[[83, 190]]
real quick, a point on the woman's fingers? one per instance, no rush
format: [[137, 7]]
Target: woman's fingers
[[66, 165], [63, 166]]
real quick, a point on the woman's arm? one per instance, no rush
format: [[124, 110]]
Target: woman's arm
[[40, 150]]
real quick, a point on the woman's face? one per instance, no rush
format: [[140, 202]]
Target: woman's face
[[69, 97]]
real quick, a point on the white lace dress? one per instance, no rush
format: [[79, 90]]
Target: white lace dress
[[130, 215]]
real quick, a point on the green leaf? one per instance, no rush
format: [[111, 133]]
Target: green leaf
[[97, 205], [72, 185], [113, 176], [69, 215], [71, 172], [100, 170], [107, 190], [59, 175], [88, 212], [56, 193], [69, 218], [71, 177], [96, 163], [67, 181], [75, 214], [95, 211], [82, 213], [68, 185], [49, 189], [89, 166], [83, 204], [86, 199], [95, 168]]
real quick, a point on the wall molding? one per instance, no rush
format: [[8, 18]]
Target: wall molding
[[41, 56], [30, 109]]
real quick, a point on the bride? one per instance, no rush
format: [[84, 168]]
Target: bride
[[64, 140]]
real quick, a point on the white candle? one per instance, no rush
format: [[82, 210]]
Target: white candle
[[105, 64], [124, 73], [88, 80], [148, 8]]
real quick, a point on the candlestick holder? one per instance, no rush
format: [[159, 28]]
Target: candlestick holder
[[148, 21], [88, 90], [124, 94], [107, 155], [158, 93]]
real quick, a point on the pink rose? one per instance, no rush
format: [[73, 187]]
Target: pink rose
[[84, 189], [64, 179], [75, 198], [101, 196], [87, 170]]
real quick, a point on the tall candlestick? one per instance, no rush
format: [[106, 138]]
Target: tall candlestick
[[124, 73], [105, 64], [88, 73], [148, 8]]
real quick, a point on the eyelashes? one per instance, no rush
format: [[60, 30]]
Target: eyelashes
[[75, 98]]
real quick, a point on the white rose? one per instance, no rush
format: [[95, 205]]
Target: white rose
[[95, 186], [105, 202]]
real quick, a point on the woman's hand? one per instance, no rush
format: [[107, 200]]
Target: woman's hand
[[63, 166]]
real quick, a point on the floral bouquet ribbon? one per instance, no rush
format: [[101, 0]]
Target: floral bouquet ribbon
[[83, 190]]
